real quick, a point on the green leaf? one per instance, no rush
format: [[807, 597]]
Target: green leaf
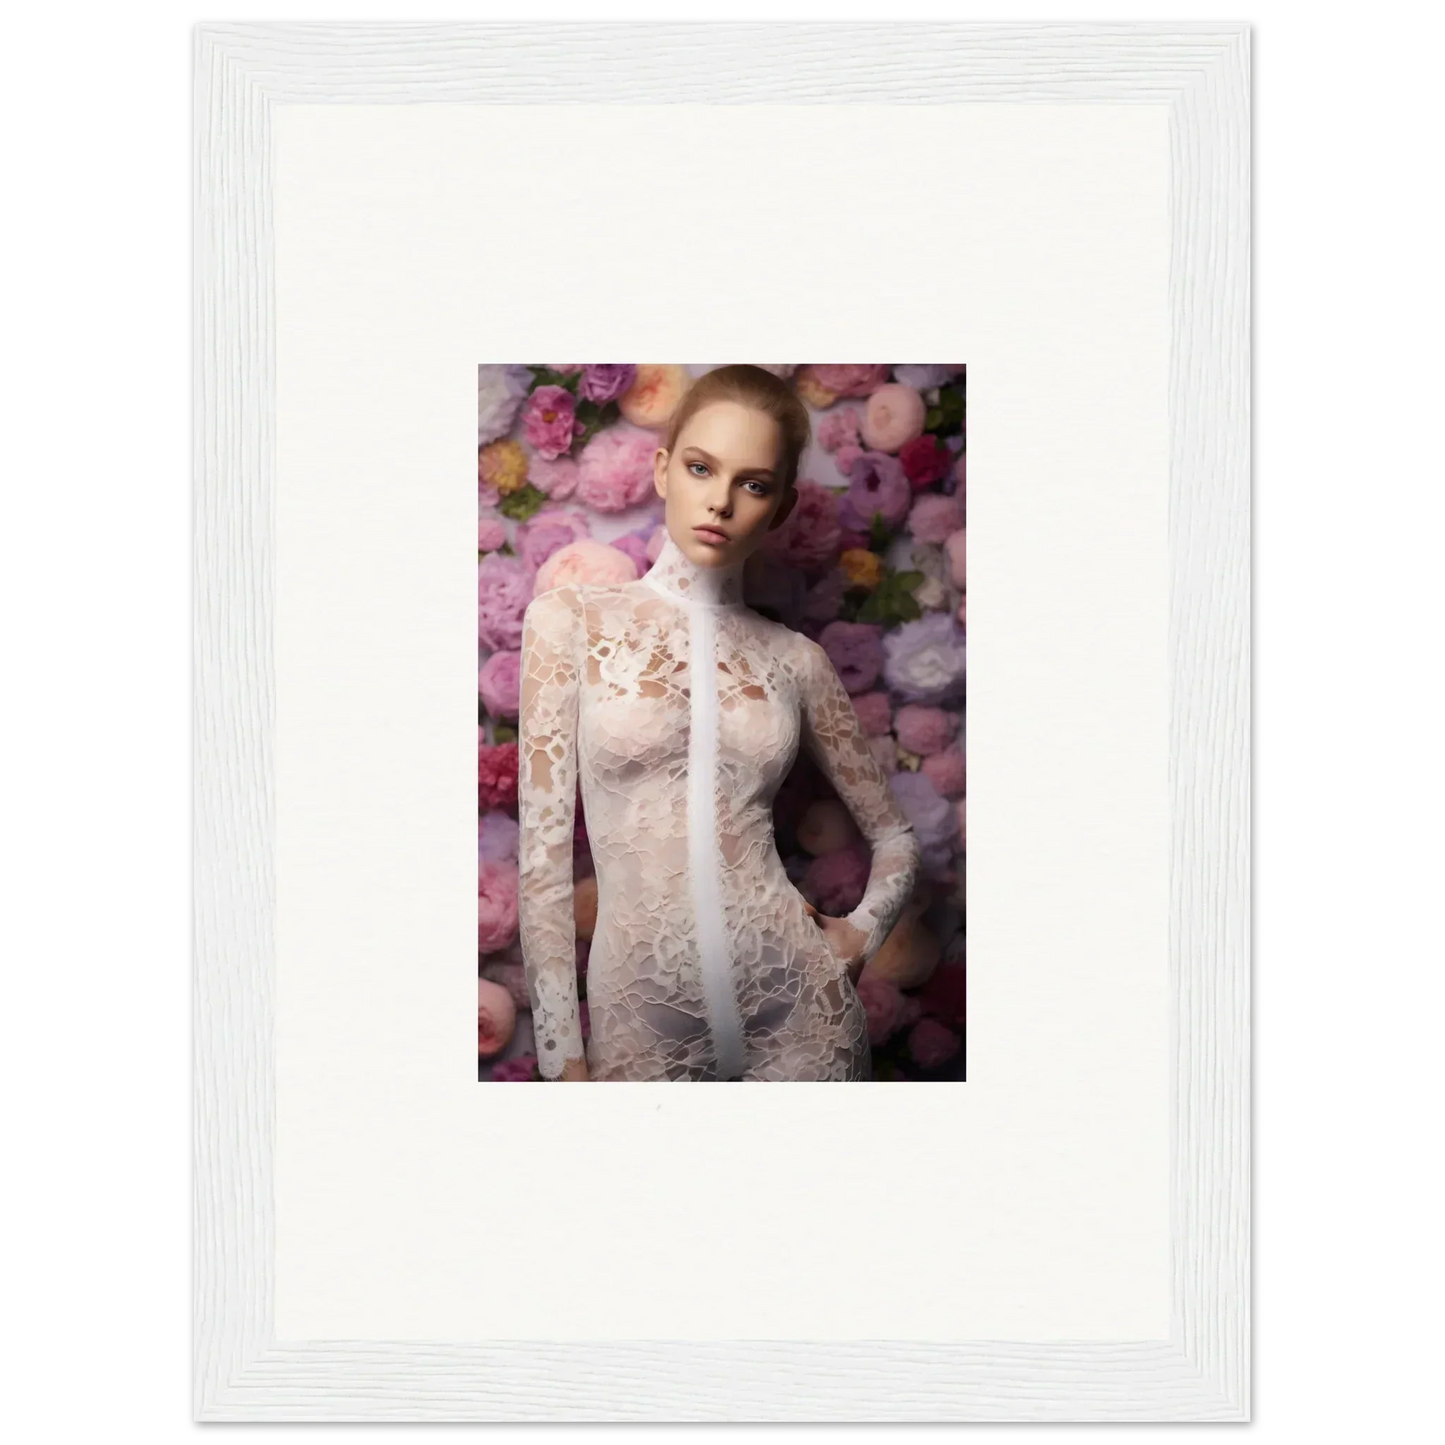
[[504, 733], [523, 503], [907, 581], [544, 376], [879, 532]]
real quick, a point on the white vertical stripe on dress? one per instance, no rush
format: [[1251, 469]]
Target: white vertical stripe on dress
[[704, 854]]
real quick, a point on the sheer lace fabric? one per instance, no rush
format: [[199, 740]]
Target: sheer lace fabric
[[679, 711]]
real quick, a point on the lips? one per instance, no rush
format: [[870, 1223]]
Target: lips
[[712, 534]]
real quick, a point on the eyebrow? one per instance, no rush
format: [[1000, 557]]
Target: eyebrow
[[744, 472]]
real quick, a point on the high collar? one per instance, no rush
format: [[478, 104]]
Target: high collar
[[684, 580]]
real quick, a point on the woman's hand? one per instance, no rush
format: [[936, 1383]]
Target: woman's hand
[[845, 940], [574, 1070]]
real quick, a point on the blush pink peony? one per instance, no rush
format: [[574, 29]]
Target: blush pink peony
[[589, 563], [935, 517], [615, 471], [874, 713], [555, 477]]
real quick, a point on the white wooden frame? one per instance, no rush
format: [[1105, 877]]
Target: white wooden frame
[[1202, 1372]]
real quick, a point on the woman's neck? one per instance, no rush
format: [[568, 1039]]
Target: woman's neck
[[684, 580]]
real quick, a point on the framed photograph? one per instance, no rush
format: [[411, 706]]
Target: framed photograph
[[761, 798]]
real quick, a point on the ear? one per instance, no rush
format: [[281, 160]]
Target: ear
[[790, 500], [659, 472]]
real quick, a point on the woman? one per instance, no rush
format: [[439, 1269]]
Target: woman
[[681, 711]]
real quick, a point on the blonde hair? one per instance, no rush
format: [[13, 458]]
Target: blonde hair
[[750, 386]]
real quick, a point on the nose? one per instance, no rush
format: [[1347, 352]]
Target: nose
[[719, 495]]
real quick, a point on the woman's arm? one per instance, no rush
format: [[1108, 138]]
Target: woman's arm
[[835, 738], [546, 807]]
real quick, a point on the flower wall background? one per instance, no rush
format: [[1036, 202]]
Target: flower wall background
[[870, 564]]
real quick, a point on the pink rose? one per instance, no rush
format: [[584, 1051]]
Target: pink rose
[[894, 415], [849, 380], [931, 1044], [839, 427], [874, 713], [496, 905], [809, 537], [884, 1006], [856, 652], [946, 771], [924, 730], [491, 534], [935, 517], [504, 588], [554, 476], [499, 683], [521, 1070], [550, 530], [550, 421]]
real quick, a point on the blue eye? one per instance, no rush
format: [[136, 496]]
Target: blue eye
[[762, 490], [691, 465]]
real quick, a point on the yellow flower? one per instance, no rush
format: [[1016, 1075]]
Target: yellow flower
[[813, 391], [861, 567], [503, 465]]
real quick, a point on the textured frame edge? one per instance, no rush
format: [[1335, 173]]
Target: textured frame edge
[[239, 1373]]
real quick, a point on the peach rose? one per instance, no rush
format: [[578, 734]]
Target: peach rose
[[653, 396], [496, 1018], [826, 827], [892, 417], [584, 907], [956, 550], [586, 561], [911, 952]]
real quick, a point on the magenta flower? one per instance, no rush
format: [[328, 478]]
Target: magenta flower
[[855, 651], [877, 485], [499, 682], [550, 420]]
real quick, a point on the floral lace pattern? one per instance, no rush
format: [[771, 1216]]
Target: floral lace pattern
[[678, 711]]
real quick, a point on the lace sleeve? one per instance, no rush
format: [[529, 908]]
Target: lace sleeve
[[835, 738], [546, 806]]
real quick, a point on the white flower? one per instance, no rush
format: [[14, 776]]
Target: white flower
[[500, 393]]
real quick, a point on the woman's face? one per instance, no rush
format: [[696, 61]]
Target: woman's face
[[721, 484]]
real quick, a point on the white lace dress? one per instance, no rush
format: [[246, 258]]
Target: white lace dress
[[680, 711]]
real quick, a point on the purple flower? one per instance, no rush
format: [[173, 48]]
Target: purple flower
[[504, 588], [924, 660], [855, 651], [497, 837], [877, 483], [550, 420], [924, 378], [500, 390], [933, 818], [549, 531], [602, 383]]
